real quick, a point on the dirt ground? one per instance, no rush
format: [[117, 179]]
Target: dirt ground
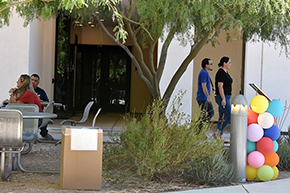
[[47, 156]]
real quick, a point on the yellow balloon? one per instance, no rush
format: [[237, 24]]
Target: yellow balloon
[[259, 104], [276, 172], [251, 173]]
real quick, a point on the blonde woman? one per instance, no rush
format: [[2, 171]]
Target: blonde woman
[[24, 92]]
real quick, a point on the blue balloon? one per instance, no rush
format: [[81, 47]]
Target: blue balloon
[[276, 108], [251, 146], [276, 146], [273, 132]]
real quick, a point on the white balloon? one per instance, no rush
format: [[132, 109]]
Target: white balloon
[[266, 120]]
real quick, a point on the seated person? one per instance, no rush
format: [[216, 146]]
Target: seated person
[[39, 91], [43, 97], [24, 92]]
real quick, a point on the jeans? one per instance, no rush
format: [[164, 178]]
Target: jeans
[[224, 112], [207, 113]]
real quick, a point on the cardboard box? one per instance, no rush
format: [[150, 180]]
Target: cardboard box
[[81, 158]]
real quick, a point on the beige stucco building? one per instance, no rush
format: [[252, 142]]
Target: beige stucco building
[[33, 50]]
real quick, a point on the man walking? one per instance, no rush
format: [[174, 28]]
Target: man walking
[[203, 93], [43, 97]]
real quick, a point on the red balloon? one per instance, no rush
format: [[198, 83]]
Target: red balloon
[[252, 117], [265, 145], [271, 159], [274, 121]]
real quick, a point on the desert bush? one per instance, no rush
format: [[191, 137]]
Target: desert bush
[[214, 170], [284, 156], [154, 145]]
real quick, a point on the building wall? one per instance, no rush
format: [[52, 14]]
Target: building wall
[[27, 50], [48, 59], [175, 56], [42, 53], [268, 69], [14, 54]]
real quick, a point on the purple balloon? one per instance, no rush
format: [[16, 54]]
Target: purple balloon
[[254, 132], [273, 132]]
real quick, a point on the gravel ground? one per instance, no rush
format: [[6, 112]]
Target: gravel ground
[[47, 156]]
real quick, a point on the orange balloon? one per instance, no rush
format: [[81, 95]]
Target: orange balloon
[[252, 117], [271, 159]]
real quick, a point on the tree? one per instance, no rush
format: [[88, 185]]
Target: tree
[[148, 21]]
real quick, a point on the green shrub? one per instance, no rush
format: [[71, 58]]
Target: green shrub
[[154, 145], [214, 170], [284, 156]]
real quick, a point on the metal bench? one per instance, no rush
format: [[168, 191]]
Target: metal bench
[[11, 123], [30, 126], [29, 134]]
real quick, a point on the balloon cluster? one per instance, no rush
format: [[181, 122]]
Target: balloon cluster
[[262, 134]]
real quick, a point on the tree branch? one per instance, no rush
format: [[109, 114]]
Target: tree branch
[[164, 50], [19, 3], [151, 54], [131, 21], [139, 51], [128, 52]]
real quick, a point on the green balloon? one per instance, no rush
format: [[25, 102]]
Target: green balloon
[[265, 173]]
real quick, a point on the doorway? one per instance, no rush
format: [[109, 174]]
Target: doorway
[[101, 74]]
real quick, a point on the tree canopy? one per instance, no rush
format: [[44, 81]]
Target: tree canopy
[[146, 22]]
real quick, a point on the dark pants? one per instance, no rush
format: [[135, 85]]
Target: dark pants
[[207, 112], [43, 130]]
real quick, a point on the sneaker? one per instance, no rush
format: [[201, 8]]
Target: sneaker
[[48, 137]]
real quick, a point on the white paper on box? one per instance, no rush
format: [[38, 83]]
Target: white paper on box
[[84, 139]]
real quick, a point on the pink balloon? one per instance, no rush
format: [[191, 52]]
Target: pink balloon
[[254, 132], [256, 159]]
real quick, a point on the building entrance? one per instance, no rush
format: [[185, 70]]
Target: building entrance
[[101, 74]]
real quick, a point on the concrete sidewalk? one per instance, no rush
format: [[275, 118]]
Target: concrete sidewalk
[[275, 186]]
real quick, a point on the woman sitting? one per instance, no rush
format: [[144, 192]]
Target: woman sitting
[[24, 92]]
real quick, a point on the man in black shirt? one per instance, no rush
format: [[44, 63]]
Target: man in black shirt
[[43, 98]]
